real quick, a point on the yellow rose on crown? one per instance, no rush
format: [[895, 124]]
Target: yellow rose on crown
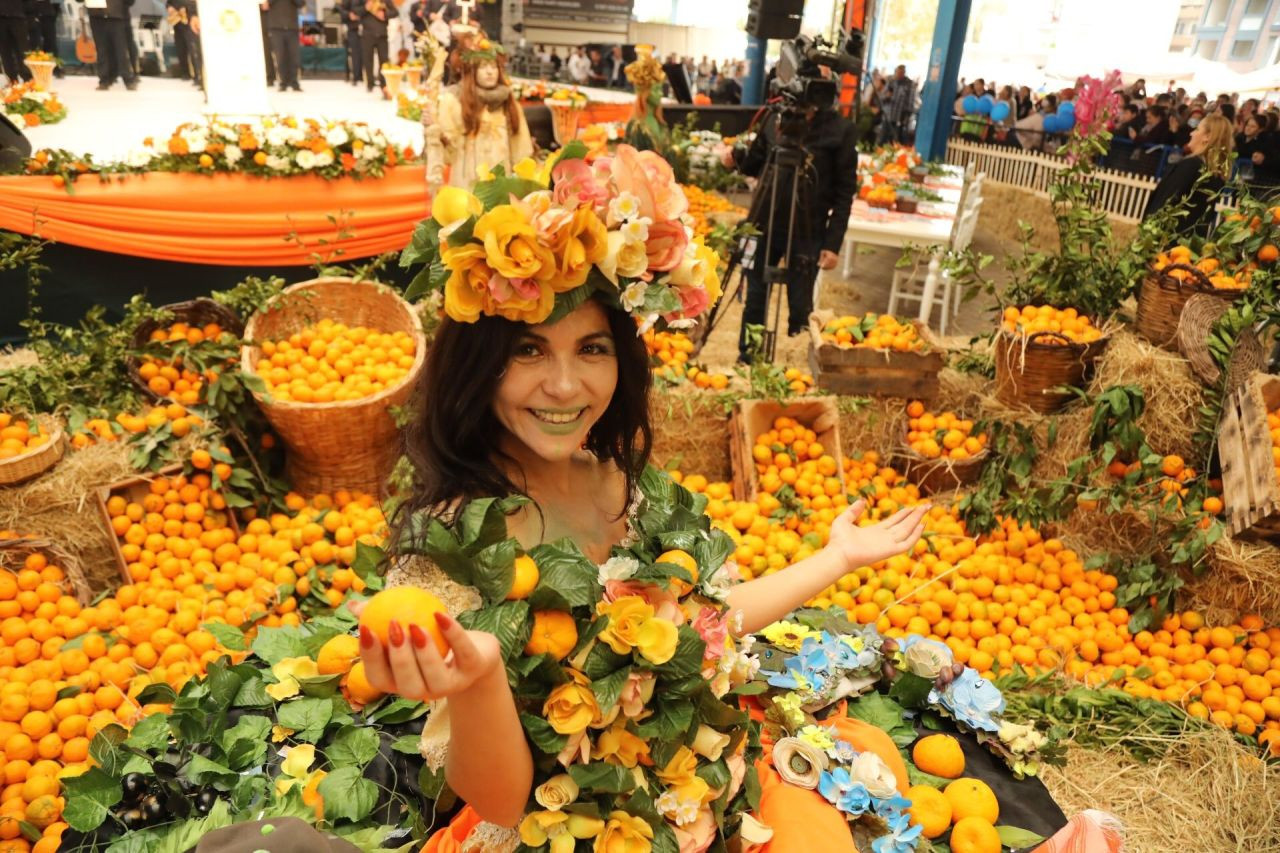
[[572, 706], [618, 746], [624, 833], [633, 626], [474, 288], [561, 829], [511, 246], [578, 247]]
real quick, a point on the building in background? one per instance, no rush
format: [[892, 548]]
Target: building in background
[[1184, 29], [1243, 34]]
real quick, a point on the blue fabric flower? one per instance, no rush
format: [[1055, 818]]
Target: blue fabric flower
[[901, 837], [845, 794], [843, 751], [973, 701]]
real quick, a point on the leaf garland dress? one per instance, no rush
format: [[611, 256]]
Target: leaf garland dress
[[643, 728]]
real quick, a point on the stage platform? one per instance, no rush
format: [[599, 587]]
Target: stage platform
[[109, 124]]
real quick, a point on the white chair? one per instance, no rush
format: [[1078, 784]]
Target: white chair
[[912, 284]]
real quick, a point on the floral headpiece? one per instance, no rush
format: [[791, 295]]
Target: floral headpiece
[[533, 246], [483, 49]]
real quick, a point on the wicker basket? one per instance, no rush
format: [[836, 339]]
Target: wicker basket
[[1028, 371], [33, 463], [350, 444], [195, 312], [940, 475], [15, 549], [1161, 298], [1198, 318]]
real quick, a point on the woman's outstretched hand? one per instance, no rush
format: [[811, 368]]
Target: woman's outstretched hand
[[412, 666], [862, 546]]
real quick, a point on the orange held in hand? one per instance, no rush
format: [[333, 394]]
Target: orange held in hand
[[408, 606]]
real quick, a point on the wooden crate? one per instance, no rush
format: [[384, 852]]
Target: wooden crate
[[134, 489], [752, 417], [858, 371], [1250, 488]]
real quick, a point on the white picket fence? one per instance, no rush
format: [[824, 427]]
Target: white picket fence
[[1122, 194]]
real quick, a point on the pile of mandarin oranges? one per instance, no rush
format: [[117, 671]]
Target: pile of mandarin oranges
[[330, 362]]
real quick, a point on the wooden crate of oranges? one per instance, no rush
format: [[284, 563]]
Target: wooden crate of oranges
[[753, 455], [1249, 449], [148, 515], [876, 354]]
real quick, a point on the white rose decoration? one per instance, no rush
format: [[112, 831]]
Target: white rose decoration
[[279, 164], [624, 259], [305, 158], [617, 569], [870, 769], [277, 135], [926, 659], [710, 743], [233, 154], [557, 792], [324, 158], [337, 136]]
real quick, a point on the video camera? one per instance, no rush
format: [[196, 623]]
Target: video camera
[[799, 79]]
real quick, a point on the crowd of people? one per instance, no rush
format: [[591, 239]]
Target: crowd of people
[[604, 66]]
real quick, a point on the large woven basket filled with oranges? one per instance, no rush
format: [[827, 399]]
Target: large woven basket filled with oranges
[[28, 449], [336, 355], [1040, 350], [1172, 280], [942, 450], [192, 322]]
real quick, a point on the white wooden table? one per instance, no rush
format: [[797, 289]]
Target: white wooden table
[[879, 227]]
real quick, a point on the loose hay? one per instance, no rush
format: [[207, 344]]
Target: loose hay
[[872, 423], [12, 359], [691, 432], [1244, 577], [60, 506], [1207, 794], [1173, 393]]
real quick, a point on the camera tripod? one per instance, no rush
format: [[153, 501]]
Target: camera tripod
[[783, 190]]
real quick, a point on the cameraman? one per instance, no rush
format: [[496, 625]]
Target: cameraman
[[827, 185]]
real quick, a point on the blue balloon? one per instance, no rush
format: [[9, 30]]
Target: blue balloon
[[985, 103], [1066, 108], [1051, 124], [1066, 121], [1000, 111], [970, 103]]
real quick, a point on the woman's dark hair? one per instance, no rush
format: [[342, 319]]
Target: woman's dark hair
[[453, 437]]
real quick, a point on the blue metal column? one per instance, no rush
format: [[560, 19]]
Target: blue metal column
[[933, 125], [753, 87]]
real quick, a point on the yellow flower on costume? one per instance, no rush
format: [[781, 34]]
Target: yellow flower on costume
[[633, 626], [571, 707], [296, 769], [560, 828], [511, 245], [452, 205], [287, 673], [474, 288], [616, 745], [710, 260], [582, 243], [624, 833], [531, 171]]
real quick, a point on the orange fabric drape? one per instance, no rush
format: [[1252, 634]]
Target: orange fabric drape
[[603, 113], [220, 219]]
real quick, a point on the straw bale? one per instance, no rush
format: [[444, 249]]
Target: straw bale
[[1207, 793], [1003, 207], [1243, 577], [691, 432], [60, 506]]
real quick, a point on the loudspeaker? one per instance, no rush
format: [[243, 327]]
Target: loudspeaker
[[774, 19]]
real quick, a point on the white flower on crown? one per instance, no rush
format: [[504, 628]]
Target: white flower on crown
[[279, 164], [324, 158], [623, 208], [337, 136], [305, 158], [682, 812], [650, 320], [617, 569], [636, 230], [233, 154], [633, 297]]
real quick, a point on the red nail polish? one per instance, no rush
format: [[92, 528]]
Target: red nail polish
[[443, 620], [418, 636], [366, 637], [395, 633]]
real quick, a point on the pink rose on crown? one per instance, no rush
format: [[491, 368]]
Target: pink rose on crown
[[649, 178], [666, 245], [663, 602], [713, 627], [578, 182]]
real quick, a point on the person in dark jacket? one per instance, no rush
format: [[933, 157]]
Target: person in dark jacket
[[42, 29], [822, 210], [282, 24], [351, 15], [110, 28], [186, 36], [1209, 151], [1257, 144], [373, 40], [13, 40], [1156, 130]]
